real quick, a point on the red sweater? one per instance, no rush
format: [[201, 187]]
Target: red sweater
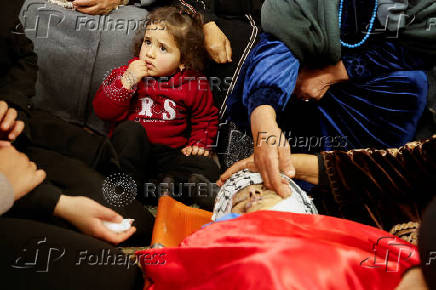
[[163, 108]]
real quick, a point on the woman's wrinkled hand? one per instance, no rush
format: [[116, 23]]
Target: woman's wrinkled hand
[[216, 43], [272, 153], [312, 84], [96, 7]]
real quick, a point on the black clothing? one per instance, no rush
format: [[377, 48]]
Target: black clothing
[[65, 259], [427, 245], [145, 161], [69, 155]]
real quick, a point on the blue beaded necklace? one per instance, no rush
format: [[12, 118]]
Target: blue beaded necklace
[[368, 33]]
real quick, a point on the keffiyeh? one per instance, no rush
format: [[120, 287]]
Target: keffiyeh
[[298, 202]]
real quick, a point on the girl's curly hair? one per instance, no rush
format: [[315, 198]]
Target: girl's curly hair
[[187, 29]]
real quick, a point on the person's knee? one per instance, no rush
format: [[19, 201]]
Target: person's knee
[[205, 166], [129, 128], [416, 81]]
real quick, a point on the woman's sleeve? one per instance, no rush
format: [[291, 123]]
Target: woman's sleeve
[[204, 7], [380, 58], [269, 75], [382, 187], [19, 83], [41, 201]]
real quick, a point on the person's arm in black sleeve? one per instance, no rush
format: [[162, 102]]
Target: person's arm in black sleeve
[[209, 11], [17, 86], [40, 202], [204, 7]]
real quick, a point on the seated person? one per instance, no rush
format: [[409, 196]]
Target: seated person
[[316, 79], [65, 152], [161, 107], [57, 247]]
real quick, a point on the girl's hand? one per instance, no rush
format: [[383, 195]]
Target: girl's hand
[[134, 74], [96, 7], [195, 150], [216, 43], [314, 83]]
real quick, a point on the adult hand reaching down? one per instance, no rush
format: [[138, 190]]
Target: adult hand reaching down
[[272, 151], [90, 218]]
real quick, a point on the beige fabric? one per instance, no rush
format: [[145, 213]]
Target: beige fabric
[[6, 195]]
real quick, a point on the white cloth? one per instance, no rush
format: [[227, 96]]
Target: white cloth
[[298, 202]]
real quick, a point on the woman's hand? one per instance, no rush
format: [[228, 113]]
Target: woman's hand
[[306, 168], [134, 74], [312, 84], [216, 43], [22, 174], [247, 163], [88, 216], [96, 7], [271, 150], [195, 150], [10, 128]]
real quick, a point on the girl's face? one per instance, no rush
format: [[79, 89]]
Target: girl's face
[[160, 52]]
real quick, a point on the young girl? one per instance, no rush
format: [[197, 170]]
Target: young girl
[[163, 92]]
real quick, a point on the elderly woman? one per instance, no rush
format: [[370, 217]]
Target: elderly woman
[[320, 81]]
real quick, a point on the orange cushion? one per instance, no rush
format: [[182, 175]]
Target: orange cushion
[[175, 221]]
